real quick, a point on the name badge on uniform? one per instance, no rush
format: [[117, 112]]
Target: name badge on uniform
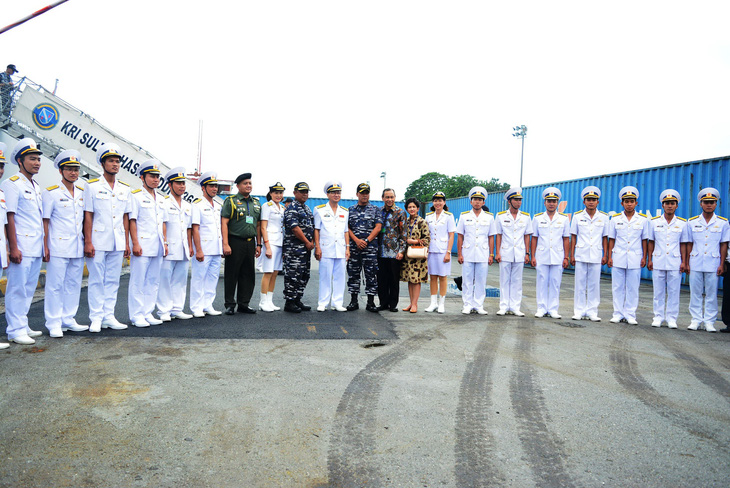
[[249, 219]]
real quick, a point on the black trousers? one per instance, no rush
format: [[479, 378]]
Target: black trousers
[[239, 272], [726, 295], [388, 281]]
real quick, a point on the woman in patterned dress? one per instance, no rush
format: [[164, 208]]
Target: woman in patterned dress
[[414, 271]]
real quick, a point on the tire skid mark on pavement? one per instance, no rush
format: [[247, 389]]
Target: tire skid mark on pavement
[[352, 441], [545, 454], [626, 371], [475, 445], [697, 367]]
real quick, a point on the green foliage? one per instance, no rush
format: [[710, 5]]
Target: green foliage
[[453, 186]]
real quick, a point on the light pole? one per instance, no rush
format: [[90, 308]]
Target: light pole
[[521, 131], [382, 175]]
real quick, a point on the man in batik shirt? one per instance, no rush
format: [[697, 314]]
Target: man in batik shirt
[[390, 243]]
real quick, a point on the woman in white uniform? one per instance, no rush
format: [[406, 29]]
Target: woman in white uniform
[[272, 214], [441, 225]]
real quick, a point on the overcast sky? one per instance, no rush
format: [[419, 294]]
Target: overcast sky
[[313, 90]]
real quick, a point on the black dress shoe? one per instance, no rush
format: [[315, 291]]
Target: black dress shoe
[[230, 310], [726, 330], [383, 307], [246, 309], [304, 308], [292, 307], [394, 309]]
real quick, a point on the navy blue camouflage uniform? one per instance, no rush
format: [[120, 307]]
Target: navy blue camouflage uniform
[[362, 221], [297, 258]]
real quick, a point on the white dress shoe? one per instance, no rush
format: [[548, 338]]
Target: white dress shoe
[[112, 323], [656, 323], [75, 327], [212, 311], [270, 298], [501, 312], [710, 327], [181, 316], [694, 325], [481, 311], [556, 315], [594, 318], [95, 326], [615, 319], [321, 308], [4, 345], [198, 314], [151, 320], [33, 333], [165, 317], [141, 323], [433, 305], [442, 304], [339, 308], [518, 313], [632, 322], [577, 317], [24, 339], [55, 333], [466, 310], [672, 325], [539, 315]]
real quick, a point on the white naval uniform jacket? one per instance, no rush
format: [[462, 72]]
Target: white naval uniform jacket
[[476, 231], [332, 227], [439, 228], [667, 238], [550, 249], [3, 221], [706, 238], [628, 236], [179, 220], [589, 234], [150, 214], [65, 214], [513, 230], [23, 198], [208, 217], [109, 206], [273, 214]]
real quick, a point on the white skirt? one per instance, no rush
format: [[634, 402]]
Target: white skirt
[[273, 264], [436, 265]]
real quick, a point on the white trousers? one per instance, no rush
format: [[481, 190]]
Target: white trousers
[[144, 279], [62, 291], [666, 294], [474, 284], [105, 269], [173, 287], [332, 277], [205, 278], [625, 286], [701, 282], [587, 294], [549, 277], [22, 282], [510, 285]]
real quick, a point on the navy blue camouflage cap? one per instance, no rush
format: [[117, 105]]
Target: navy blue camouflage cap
[[363, 188], [301, 186]]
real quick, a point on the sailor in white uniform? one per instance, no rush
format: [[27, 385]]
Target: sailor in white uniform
[[475, 242], [627, 236], [174, 274], [208, 245], [106, 232], [512, 244], [331, 248], [589, 229], [441, 227], [147, 233], [667, 258], [272, 235], [63, 222], [709, 235], [3, 221], [550, 248], [25, 240]]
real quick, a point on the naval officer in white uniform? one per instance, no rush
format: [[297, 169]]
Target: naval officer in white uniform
[[208, 244], [147, 233], [512, 245], [106, 233], [550, 248], [709, 236], [475, 243], [589, 229], [441, 228], [174, 274], [25, 240], [63, 222], [627, 236], [331, 248], [667, 258], [3, 221]]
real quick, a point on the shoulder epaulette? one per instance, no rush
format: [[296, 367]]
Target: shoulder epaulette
[[79, 187], [447, 212], [722, 218], [197, 200], [680, 218], [255, 199], [343, 208], [93, 181], [137, 190], [654, 218], [525, 213], [579, 211], [167, 196], [561, 213], [270, 203], [320, 206], [538, 214], [604, 213], [123, 183], [643, 215], [52, 187], [14, 178], [429, 213], [695, 217], [466, 212], [500, 213], [489, 213]]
